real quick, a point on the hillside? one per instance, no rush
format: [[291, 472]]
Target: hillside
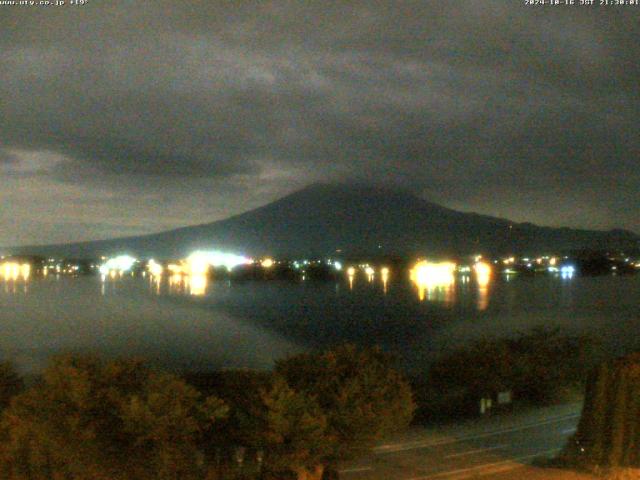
[[321, 219]]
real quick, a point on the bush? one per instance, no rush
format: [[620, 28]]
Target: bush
[[11, 384], [363, 396], [535, 367], [315, 409], [93, 420], [119, 420]]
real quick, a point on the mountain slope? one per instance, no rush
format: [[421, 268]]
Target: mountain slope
[[321, 219]]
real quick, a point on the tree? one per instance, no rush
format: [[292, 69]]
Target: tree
[[295, 431], [267, 416], [241, 391], [608, 433], [314, 409], [359, 392], [537, 366], [93, 420], [11, 384]]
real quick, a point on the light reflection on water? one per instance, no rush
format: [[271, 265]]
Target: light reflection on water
[[195, 322], [15, 277], [483, 273], [118, 316], [384, 276]]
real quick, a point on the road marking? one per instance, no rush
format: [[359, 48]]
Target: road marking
[[477, 470], [401, 447], [355, 469], [478, 450]]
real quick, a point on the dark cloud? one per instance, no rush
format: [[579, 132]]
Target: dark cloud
[[197, 110]]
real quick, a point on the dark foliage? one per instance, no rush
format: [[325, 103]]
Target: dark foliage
[[535, 367], [93, 420], [11, 384], [608, 434]]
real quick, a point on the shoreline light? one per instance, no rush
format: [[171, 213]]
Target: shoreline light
[[215, 259], [429, 276], [483, 273], [155, 268], [567, 271], [14, 270], [121, 264], [429, 273], [384, 275]]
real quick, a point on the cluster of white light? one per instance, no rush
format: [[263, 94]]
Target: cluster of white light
[[155, 268], [119, 264], [567, 271], [200, 261]]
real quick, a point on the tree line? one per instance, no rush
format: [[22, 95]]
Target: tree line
[[86, 418], [538, 367]]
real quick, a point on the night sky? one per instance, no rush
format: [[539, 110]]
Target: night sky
[[130, 117]]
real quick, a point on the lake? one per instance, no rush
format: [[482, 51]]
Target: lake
[[203, 324]]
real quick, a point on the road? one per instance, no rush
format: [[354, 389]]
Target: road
[[498, 447]]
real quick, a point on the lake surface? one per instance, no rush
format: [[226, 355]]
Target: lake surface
[[200, 324]]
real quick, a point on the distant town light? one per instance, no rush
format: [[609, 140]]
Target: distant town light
[[25, 270], [197, 264], [384, 274], [433, 273], [427, 276], [121, 264], [197, 285], [175, 269], [483, 272], [14, 270], [155, 268], [567, 271], [217, 259]]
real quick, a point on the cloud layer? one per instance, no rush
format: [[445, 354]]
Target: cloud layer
[[131, 117]]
